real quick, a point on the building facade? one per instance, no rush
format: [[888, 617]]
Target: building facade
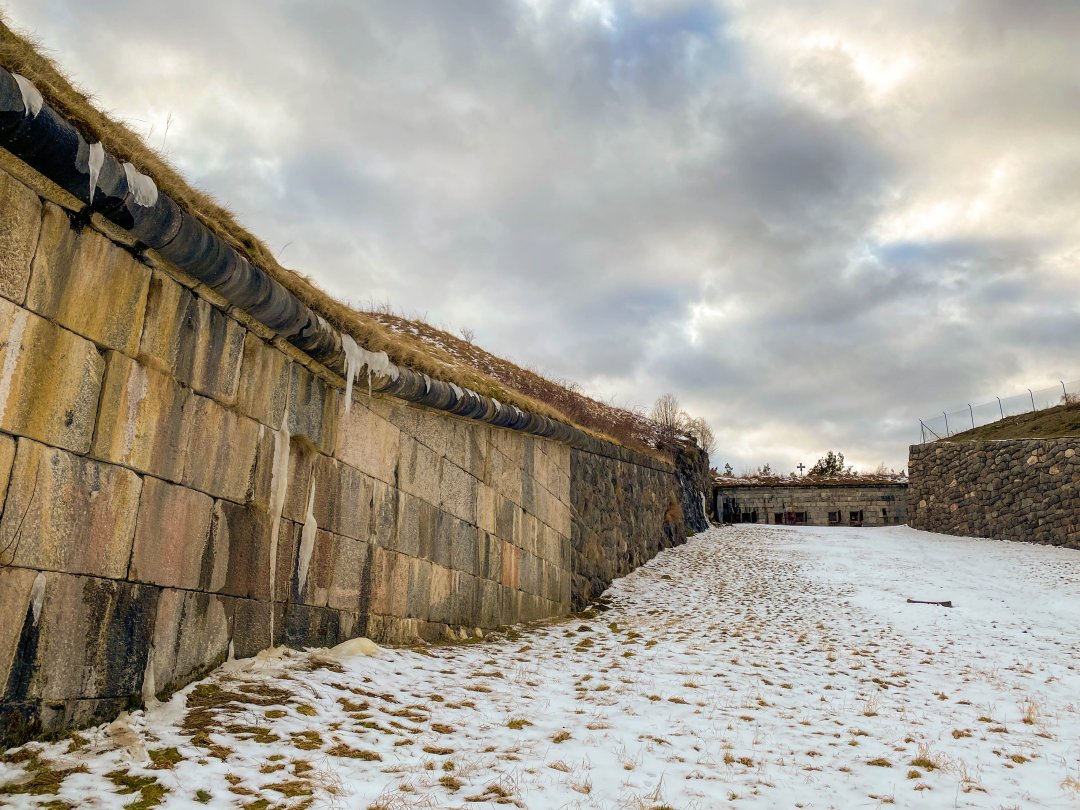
[[855, 501]]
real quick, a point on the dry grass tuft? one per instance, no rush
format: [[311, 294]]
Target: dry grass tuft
[[343, 750]]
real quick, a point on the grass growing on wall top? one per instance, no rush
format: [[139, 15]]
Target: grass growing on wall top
[[1053, 423]]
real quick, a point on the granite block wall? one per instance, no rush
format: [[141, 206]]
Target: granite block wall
[[179, 485], [1016, 489]]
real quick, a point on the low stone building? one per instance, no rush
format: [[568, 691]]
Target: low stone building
[[846, 501]]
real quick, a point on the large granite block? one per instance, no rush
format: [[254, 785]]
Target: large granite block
[[389, 582], [327, 571], [91, 640], [20, 224], [458, 492], [17, 619], [49, 380], [191, 636], [264, 382], [369, 442], [87, 284], [7, 459], [68, 513], [172, 537], [241, 548], [504, 476], [145, 419], [221, 452], [485, 507], [469, 446], [314, 409], [344, 497], [193, 340], [301, 626], [419, 470]]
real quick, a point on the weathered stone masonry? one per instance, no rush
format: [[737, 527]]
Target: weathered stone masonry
[[847, 503], [1016, 489], [178, 484], [626, 511]]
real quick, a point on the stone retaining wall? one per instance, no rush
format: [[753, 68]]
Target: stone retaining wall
[[179, 485], [625, 511], [1016, 489]]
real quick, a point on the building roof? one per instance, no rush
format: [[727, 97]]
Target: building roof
[[732, 482]]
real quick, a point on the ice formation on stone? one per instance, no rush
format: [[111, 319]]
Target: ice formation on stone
[[279, 481], [356, 359], [307, 538], [31, 96], [143, 190], [94, 162], [354, 648], [37, 596], [149, 683]]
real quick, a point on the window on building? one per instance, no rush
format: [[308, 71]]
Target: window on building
[[834, 518], [856, 517], [800, 518], [778, 518], [885, 515]]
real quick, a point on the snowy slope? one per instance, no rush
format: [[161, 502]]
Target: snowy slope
[[757, 667]]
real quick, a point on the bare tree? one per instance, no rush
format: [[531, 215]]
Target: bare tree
[[467, 334], [668, 416], [702, 432]]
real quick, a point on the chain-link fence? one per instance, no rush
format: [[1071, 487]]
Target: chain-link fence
[[973, 416]]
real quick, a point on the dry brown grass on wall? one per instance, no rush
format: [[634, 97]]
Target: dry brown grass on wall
[[1053, 423], [478, 370], [628, 427]]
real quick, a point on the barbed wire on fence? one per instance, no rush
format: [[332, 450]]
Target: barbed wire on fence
[[949, 423]]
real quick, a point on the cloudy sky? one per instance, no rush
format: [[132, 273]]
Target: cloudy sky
[[813, 222]]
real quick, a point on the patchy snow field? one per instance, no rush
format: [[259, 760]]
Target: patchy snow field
[[755, 666]]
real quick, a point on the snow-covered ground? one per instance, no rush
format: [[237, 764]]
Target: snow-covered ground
[[753, 667]]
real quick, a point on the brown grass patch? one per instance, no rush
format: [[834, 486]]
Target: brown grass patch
[[343, 750], [1057, 422], [44, 778]]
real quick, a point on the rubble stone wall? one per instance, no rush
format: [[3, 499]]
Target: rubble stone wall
[[1016, 489]]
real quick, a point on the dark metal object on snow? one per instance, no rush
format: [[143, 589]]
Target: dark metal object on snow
[[947, 603]]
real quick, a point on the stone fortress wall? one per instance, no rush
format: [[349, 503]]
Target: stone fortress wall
[[1014, 489], [854, 504], [179, 484]]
